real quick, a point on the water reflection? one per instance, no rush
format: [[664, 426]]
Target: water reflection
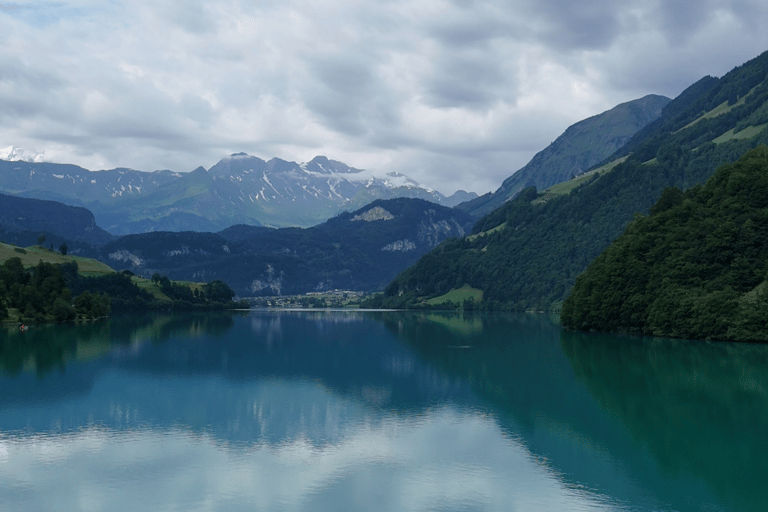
[[245, 379], [699, 408], [307, 410], [654, 423], [44, 348], [390, 467]]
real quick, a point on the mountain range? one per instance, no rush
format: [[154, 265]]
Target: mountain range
[[360, 250], [203, 225], [243, 189], [240, 189], [524, 254], [527, 253]]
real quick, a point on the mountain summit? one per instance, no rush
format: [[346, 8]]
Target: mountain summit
[[579, 148], [527, 253], [13, 154], [239, 189]]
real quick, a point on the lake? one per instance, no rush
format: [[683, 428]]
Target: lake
[[390, 411]]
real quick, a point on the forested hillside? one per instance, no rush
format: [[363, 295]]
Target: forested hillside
[[23, 220], [527, 254], [56, 289], [696, 267], [361, 250]]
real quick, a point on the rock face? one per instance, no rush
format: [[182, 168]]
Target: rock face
[[270, 282], [375, 213], [125, 256], [400, 245]]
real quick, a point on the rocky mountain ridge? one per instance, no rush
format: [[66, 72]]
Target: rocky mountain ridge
[[579, 148], [527, 254], [240, 189]]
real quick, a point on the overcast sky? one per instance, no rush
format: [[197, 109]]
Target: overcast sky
[[455, 94]]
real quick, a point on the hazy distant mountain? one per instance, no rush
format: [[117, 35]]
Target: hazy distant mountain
[[580, 147], [23, 220], [240, 189], [458, 197], [74, 185]]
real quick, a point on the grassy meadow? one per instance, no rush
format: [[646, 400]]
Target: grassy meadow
[[31, 256]]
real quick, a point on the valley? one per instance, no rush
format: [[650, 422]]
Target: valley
[[518, 248], [527, 254]]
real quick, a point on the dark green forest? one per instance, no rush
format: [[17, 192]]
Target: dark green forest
[[23, 220], [528, 253], [344, 252], [695, 267], [43, 294], [51, 292]]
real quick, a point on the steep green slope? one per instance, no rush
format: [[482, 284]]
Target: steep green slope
[[532, 260], [694, 268], [579, 148]]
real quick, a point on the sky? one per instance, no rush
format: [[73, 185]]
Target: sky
[[456, 94]]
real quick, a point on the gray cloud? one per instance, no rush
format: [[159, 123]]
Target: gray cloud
[[339, 92], [585, 25], [467, 80], [454, 93]]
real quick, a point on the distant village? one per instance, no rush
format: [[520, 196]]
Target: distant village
[[312, 300]]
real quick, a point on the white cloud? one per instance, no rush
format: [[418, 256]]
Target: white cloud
[[454, 93]]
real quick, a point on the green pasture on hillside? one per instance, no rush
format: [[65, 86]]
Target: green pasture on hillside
[[458, 296], [31, 256], [565, 187], [484, 233], [746, 133]]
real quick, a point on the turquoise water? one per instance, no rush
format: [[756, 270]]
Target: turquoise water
[[300, 411]]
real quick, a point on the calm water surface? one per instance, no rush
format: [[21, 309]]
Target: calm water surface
[[313, 411]]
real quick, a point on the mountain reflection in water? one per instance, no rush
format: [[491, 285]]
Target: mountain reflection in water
[[508, 407], [698, 408]]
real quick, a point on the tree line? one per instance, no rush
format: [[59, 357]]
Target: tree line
[[695, 267], [42, 294], [51, 292], [528, 253]]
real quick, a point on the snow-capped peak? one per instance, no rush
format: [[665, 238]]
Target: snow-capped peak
[[13, 154], [396, 179]]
